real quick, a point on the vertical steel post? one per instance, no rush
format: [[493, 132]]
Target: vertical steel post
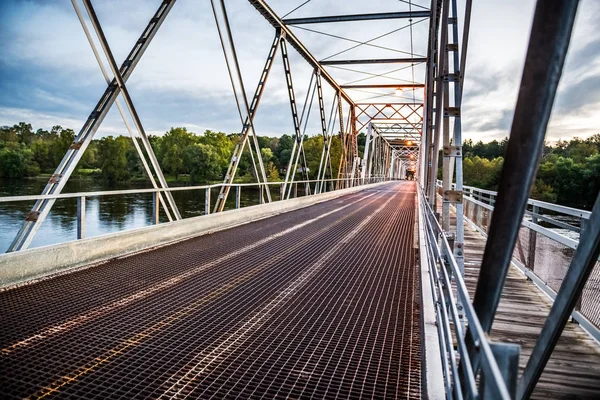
[[238, 194], [207, 201], [155, 208], [532, 241], [81, 217], [507, 358], [439, 96]]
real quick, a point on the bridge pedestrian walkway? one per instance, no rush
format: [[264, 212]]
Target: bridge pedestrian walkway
[[573, 371], [321, 302]]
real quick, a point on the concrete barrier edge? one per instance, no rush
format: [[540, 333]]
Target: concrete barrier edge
[[23, 266]]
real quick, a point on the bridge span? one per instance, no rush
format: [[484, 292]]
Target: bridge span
[[324, 301], [321, 302], [346, 280]]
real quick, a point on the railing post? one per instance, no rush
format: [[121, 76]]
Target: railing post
[[295, 189], [81, 217], [155, 207], [207, 201], [507, 358], [238, 190], [532, 240], [260, 194]]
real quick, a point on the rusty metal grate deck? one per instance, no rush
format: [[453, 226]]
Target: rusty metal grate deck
[[285, 307]]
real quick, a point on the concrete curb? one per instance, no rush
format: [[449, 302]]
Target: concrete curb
[[432, 371], [23, 266]]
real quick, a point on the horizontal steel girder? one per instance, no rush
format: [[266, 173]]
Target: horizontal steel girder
[[385, 86], [376, 61], [356, 17]]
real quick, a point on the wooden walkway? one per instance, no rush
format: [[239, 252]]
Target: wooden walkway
[[573, 371]]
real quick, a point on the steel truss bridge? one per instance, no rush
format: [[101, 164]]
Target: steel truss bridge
[[358, 283]]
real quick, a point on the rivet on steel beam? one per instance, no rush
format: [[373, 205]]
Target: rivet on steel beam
[[452, 112], [32, 216], [451, 77], [452, 151], [453, 196], [55, 178]]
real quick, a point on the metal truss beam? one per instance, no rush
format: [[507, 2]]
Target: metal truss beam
[[297, 149], [266, 11], [385, 86], [357, 17], [548, 44], [66, 167], [136, 119], [246, 125], [413, 60], [133, 136]]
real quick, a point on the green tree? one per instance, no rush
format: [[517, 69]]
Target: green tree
[[591, 180], [113, 153], [272, 172], [62, 139], [16, 161], [173, 145], [266, 155], [481, 172], [221, 144], [203, 162]]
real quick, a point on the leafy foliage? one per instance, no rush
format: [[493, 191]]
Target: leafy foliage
[[569, 172]]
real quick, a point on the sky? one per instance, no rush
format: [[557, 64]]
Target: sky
[[49, 76]]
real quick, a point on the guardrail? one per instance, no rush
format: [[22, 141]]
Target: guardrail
[[494, 364], [326, 185], [548, 236]]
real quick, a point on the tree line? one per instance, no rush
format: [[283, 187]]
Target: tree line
[[569, 171], [182, 155]]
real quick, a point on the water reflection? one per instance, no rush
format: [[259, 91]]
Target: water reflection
[[105, 214]]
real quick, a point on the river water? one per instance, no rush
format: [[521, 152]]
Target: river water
[[106, 214]]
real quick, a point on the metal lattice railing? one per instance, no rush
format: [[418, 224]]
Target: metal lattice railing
[[477, 375], [297, 189], [547, 240]]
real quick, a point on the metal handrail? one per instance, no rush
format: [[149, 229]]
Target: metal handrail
[[445, 275], [578, 316], [7, 199], [156, 195]]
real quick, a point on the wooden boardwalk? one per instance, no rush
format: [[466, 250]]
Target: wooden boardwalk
[[573, 371]]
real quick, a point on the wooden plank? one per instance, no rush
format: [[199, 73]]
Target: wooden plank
[[573, 371]]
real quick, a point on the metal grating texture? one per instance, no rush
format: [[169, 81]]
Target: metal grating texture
[[322, 302]]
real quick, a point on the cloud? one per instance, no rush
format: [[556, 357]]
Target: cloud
[[48, 74]]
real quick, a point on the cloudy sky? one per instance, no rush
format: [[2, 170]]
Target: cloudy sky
[[49, 76]]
